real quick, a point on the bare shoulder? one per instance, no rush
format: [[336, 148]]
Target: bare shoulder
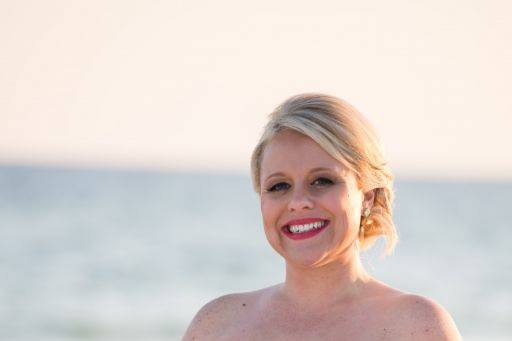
[[219, 315], [421, 318]]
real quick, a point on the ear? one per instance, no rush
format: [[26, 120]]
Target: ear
[[369, 197]]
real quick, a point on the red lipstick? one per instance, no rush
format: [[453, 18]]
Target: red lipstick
[[304, 235]]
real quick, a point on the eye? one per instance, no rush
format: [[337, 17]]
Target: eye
[[278, 187], [322, 182]]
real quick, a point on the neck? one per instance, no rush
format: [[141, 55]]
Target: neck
[[338, 281]]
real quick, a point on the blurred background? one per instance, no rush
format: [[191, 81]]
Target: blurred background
[[126, 129]]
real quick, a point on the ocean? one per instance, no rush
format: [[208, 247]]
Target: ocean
[[133, 255]]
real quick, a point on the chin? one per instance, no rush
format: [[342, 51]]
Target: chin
[[303, 260]]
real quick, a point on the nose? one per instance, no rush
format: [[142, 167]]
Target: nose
[[299, 200]]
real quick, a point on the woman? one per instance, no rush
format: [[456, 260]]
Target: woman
[[325, 194]]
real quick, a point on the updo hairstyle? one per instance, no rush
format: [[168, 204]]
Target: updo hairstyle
[[349, 138]]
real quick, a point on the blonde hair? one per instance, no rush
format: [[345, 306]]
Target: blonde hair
[[349, 138]]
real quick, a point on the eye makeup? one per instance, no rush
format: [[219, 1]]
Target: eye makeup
[[317, 182]]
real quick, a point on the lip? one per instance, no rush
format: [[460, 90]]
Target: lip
[[304, 235], [303, 221]]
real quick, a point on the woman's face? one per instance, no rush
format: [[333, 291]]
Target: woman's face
[[310, 202]]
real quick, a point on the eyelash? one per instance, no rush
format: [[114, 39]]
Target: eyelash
[[325, 181]]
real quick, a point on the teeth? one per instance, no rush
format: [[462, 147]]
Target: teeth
[[305, 227]]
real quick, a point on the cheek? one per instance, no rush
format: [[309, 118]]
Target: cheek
[[353, 209], [268, 211], [270, 215], [337, 201], [344, 205]]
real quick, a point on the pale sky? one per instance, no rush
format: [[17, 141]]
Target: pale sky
[[188, 84]]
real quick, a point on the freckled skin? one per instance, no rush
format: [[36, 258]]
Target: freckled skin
[[388, 315]]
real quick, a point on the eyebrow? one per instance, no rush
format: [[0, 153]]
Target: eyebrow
[[314, 170]]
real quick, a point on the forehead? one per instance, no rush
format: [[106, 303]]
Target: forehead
[[292, 151]]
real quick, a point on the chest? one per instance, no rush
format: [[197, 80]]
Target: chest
[[349, 325]]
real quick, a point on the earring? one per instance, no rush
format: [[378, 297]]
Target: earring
[[366, 214]]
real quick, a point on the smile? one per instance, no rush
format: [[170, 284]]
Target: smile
[[304, 228]]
